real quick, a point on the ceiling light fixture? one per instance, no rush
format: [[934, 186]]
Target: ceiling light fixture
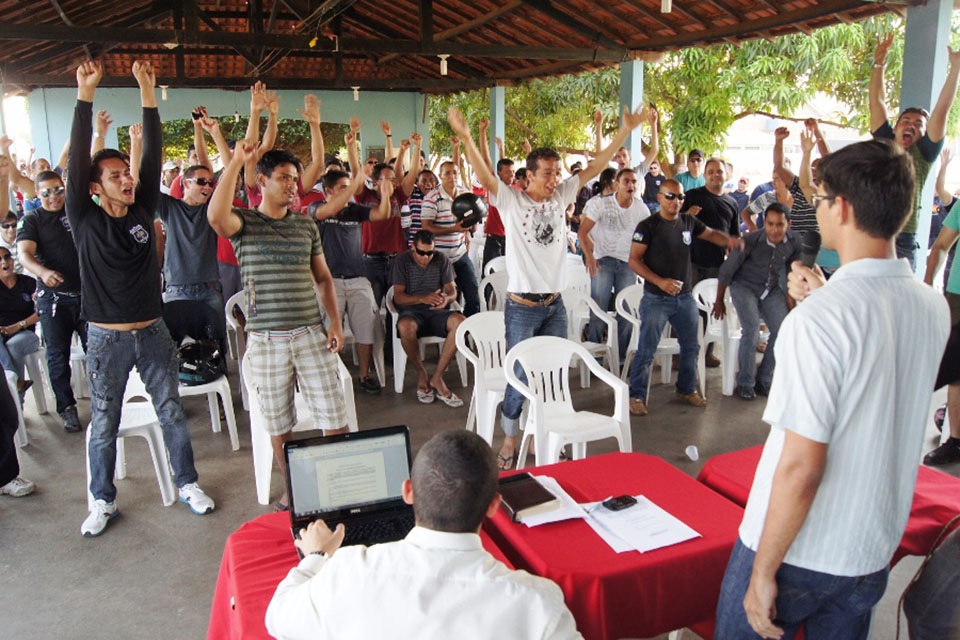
[[443, 63]]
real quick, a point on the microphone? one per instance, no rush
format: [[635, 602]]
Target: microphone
[[809, 248]]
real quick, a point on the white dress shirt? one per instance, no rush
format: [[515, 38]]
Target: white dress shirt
[[432, 584], [856, 363]]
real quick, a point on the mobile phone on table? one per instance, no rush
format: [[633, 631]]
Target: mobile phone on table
[[619, 503]]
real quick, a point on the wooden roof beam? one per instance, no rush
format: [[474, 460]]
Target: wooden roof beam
[[573, 24], [656, 17]]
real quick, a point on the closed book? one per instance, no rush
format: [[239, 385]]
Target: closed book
[[522, 495]]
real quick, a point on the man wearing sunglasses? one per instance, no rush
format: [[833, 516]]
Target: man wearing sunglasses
[[8, 239], [661, 256], [693, 176], [47, 250], [190, 270]]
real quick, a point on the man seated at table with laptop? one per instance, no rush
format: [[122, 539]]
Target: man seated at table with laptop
[[436, 582]]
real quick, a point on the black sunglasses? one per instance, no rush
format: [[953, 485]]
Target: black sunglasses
[[429, 252], [673, 196], [203, 182], [46, 193], [8, 225]]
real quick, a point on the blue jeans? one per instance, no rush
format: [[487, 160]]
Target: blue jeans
[[377, 267], [466, 279], [15, 349], [613, 276], [655, 311], [110, 357], [907, 247], [524, 322], [202, 292], [828, 606], [60, 317], [750, 308]]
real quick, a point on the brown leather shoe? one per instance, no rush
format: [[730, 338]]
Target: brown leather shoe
[[694, 398], [638, 407], [712, 361]]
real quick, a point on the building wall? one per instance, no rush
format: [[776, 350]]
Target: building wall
[[51, 112]]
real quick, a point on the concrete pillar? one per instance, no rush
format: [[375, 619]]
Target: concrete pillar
[[631, 97], [497, 101], [924, 70]]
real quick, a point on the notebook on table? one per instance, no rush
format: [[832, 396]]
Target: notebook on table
[[351, 478]]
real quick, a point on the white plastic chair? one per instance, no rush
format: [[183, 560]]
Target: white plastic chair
[[400, 356], [35, 364], [379, 367], [236, 343], [20, 437], [552, 419], [487, 333], [476, 251], [260, 439], [496, 264], [627, 304], [579, 306], [577, 277], [497, 283], [78, 372], [730, 346], [221, 387], [138, 419], [705, 294]]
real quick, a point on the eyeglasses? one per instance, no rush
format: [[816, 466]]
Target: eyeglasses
[[9, 225], [816, 199], [6, 256], [46, 193], [421, 252], [673, 196], [203, 182], [371, 162]]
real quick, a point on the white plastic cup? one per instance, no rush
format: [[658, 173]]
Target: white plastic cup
[[692, 452]]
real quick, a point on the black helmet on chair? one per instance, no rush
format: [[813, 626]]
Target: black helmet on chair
[[468, 209]]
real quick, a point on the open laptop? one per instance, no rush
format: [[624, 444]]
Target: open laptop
[[351, 478]]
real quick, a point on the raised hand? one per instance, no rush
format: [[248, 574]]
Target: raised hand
[[89, 74], [880, 55], [354, 124], [527, 147], [484, 124], [6, 142], [349, 138], [597, 117], [455, 141], [273, 103], [633, 119], [404, 145], [258, 98], [136, 132], [244, 151], [457, 122], [210, 125], [5, 165], [781, 133], [416, 139], [386, 190], [954, 56], [807, 140], [103, 122], [385, 127], [311, 109], [143, 72], [653, 116]]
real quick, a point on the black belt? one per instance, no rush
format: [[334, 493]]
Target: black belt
[[380, 254]]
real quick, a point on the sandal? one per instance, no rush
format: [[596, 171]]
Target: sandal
[[506, 463], [451, 400], [280, 507], [426, 397]]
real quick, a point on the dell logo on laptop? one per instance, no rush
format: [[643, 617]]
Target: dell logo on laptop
[[355, 510]]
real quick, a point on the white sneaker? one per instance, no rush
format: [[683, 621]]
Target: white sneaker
[[18, 487], [102, 513], [194, 497]]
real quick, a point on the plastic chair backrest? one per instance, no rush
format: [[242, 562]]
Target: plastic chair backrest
[[546, 362], [497, 282], [135, 388], [705, 293], [575, 301], [578, 278], [236, 300], [627, 302], [497, 264], [488, 331]]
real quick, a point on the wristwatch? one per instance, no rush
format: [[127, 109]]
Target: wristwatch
[[23, 324]]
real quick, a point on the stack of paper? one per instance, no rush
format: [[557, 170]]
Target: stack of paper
[[642, 527]]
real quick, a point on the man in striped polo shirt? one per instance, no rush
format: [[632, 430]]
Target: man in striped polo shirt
[[451, 237], [856, 362], [280, 256]]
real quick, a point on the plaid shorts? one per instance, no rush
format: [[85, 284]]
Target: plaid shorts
[[274, 359]]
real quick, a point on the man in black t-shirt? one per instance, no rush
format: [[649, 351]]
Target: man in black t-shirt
[[661, 256], [120, 282], [47, 250]]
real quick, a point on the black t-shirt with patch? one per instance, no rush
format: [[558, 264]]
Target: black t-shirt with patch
[[120, 276], [668, 248], [55, 247], [16, 303], [342, 239], [717, 212]]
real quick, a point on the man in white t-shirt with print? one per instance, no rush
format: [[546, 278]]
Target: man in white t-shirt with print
[[535, 224], [451, 238], [606, 236], [856, 362]]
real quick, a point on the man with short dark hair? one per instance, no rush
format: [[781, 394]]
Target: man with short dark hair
[[693, 177], [423, 288], [856, 362], [437, 582], [47, 250], [917, 131], [520, 180], [120, 284], [754, 276]]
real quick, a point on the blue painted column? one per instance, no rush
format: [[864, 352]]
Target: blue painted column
[[497, 126], [924, 70], [631, 97]]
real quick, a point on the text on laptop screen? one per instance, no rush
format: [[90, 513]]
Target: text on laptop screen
[[350, 473]]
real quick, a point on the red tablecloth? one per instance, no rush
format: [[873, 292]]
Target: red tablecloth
[[256, 558], [630, 594], [936, 498]]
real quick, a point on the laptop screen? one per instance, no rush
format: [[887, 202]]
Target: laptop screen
[[330, 476]]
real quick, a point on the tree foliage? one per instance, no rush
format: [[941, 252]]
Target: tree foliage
[[700, 92]]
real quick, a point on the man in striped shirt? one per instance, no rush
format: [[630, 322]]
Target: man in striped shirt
[[856, 363]]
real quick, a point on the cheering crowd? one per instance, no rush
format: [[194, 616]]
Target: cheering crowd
[[108, 241]]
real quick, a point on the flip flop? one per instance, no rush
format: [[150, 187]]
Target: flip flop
[[279, 506], [451, 401], [505, 464], [426, 397]]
